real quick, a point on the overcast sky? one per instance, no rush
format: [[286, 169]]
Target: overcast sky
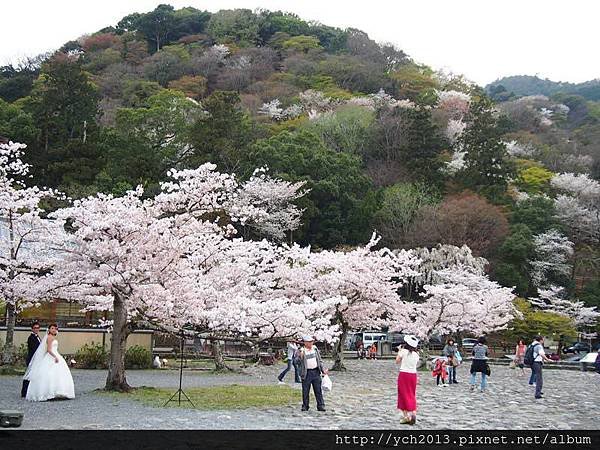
[[483, 39]]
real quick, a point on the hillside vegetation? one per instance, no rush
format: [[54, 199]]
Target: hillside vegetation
[[522, 85], [382, 141]]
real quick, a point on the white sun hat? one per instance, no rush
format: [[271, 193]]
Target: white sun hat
[[307, 338], [411, 340]]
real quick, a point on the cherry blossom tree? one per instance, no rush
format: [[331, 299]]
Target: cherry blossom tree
[[239, 296], [124, 254], [454, 129], [455, 104], [552, 254], [460, 301], [316, 104], [441, 257], [454, 295], [272, 109], [117, 255], [173, 261], [520, 150], [23, 255], [553, 300], [380, 100], [578, 206], [367, 279], [580, 185], [271, 205]]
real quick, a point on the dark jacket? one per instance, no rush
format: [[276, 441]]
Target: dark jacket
[[303, 368], [479, 363], [33, 342]]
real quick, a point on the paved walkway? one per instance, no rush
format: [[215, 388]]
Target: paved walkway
[[364, 397]]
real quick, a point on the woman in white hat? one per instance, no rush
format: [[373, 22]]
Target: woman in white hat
[[408, 358]]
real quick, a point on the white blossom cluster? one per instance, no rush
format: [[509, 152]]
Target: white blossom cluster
[[552, 252], [520, 150], [315, 104], [456, 104], [552, 300], [274, 110], [220, 51], [457, 295], [578, 205]]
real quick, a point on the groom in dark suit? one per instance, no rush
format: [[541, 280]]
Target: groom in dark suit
[[33, 342]]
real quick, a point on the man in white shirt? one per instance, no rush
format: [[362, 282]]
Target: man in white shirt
[[539, 356], [311, 369]]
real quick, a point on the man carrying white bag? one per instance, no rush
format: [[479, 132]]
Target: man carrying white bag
[[311, 368]]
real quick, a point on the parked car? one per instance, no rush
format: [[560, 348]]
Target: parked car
[[372, 337], [367, 338], [436, 342], [577, 347], [469, 343], [395, 340]]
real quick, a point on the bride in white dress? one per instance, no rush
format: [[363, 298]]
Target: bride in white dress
[[48, 374]]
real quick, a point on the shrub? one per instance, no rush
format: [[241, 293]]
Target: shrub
[[137, 357], [92, 356], [21, 354]]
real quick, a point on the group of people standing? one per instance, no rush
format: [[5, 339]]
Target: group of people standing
[[444, 367]]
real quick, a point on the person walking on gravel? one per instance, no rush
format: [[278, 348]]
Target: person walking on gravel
[[292, 347], [539, 357]]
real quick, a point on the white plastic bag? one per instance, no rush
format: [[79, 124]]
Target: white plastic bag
[[326, 383]]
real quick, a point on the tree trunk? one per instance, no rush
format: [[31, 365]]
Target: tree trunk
[[256, 353], [8, 354], [338, 348], [116, 380], [220, 365], [559, 345]]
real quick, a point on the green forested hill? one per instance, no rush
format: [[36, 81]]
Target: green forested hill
[[384, 143], [523, 85]]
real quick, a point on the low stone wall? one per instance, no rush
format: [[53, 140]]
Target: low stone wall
[[72, 339]]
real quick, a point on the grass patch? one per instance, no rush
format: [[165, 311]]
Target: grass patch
[[204, 364], [234, 396], [12, 370]]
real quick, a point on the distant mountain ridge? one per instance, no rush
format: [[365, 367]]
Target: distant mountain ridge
[[523, 85]]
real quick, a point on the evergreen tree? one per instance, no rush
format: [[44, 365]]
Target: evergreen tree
[[64, 105], [487, 169], [223, 134]]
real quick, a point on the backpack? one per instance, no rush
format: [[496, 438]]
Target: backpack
[[528, 358]]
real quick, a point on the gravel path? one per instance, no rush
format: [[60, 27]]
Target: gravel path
[[364, 397]]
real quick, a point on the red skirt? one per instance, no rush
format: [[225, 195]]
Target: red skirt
[[407, 391]]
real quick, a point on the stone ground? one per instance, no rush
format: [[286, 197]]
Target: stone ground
[[362, 398]]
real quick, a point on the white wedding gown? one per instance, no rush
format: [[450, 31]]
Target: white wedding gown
[[49, 379]]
